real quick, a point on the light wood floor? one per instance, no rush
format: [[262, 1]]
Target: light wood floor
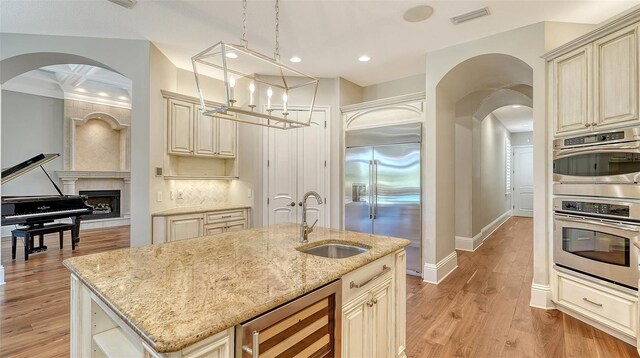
[[480, 310], [34, 302]]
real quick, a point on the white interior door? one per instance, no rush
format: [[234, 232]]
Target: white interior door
[[523, 181], [282, 202], [311, 166], [296, 165]]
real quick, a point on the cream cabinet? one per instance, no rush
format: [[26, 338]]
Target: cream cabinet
[[192, 134], [183, 227], [373, 310], [572, 87], [173, 227], [594, 87], [616, 78]]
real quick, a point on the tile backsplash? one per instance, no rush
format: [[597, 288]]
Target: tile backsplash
[[200, 192]]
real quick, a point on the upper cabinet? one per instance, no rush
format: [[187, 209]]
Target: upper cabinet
[[572, 88], [198, 146], [191, 133], [594, 86], [616, 78]]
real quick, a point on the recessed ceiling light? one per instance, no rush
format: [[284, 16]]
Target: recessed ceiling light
[[124, 98], [418, 13], [231, 55], [295, 59], [80, 89], [103, 94], [516, 106], [364, 58]]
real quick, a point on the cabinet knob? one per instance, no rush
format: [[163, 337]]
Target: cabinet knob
[[370, 303], [594, 124], [375, 301], [586, 125]]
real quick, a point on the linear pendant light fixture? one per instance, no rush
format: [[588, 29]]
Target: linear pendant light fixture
[[251, 78]]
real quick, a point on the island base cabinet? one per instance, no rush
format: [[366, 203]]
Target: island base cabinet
[[97, 332], [373, 313]]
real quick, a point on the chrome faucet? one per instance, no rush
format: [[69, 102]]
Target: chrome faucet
[[305, 230]]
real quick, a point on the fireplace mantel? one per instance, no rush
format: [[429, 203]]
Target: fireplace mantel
[[92, 174]]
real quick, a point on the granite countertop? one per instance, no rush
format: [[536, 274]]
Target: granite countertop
[[176, 294], [200, 209]]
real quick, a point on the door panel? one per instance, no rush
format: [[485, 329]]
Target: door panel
[[186, 227], [226, 136], [523, 182], [572, 89], [181, 123], [355, 336], [205, 135], [283, 146], [357, 190], [311, 170], [397, 192], [382, 319]]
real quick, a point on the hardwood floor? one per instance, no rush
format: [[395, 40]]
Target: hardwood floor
[[34, 302], [482, 309]]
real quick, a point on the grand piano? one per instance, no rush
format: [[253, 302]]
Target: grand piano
[[36, 211]]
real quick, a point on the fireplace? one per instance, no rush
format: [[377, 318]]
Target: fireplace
[[106, 203]]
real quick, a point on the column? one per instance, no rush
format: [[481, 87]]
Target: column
[[126, 198], [69, 185]]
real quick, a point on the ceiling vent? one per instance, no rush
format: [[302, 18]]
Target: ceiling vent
[[125, 3], [471, 15]]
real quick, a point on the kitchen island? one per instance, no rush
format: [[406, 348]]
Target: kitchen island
[[186, 298]]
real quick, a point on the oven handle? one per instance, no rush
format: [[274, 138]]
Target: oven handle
[[620, 226], [612, 148]]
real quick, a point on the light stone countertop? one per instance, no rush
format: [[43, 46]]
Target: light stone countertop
[[200, 209], [176, 294]]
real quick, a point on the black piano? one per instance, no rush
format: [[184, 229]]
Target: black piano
[[35, 211]]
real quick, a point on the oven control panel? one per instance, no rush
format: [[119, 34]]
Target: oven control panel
[[594, 138], [596, 208]]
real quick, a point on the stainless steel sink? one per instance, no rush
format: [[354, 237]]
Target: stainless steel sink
[[334, 250]]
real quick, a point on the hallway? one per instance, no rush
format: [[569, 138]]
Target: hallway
[[482, 309]]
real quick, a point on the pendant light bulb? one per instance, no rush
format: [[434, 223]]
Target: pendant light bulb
[[252, 88], [269, 94], [232, 82]]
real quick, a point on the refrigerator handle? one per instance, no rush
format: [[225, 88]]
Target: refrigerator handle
[[375, 189], [371, 189]]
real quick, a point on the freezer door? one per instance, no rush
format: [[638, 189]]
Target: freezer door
[[357, 189], [396, 203]]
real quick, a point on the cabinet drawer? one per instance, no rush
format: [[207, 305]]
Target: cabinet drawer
[[613, 309], [224, 216], [214, 229], [236, 225], [363, 277]]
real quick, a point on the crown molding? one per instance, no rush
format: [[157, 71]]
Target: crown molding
[[418, 96]]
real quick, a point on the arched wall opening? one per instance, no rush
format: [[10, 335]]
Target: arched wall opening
[[130, 58], [465, 93]]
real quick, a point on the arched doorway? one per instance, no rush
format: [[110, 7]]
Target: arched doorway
[[471, 89]]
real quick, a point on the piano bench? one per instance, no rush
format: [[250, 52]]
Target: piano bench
[[28, 233]]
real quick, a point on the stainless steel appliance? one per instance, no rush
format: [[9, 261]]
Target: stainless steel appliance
[[382, 185], [603, 158], [310, 324], [594, 236]]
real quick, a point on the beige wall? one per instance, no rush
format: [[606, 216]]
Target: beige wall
[[406, 85], [522, 138]]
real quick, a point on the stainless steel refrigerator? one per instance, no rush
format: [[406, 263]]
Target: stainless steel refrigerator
[[382, 185]]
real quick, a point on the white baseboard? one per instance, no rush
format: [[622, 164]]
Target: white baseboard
[[438, 272], [1, 275], [469, 243], [472, 244], [541, 297]]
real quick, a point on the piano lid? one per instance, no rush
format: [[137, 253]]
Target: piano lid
[[26, 166]]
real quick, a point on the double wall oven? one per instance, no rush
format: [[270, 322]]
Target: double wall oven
[[597, 204]]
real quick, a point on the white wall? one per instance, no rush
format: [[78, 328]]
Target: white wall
[[31, 125], [522, 138]]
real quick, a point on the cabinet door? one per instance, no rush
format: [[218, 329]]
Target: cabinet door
[[571, 91], [186, 227], [382, 320], [356, 337], [215, 229], [236, 225], [226, 137], [181, 120], [616, 78], [205, 135]]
